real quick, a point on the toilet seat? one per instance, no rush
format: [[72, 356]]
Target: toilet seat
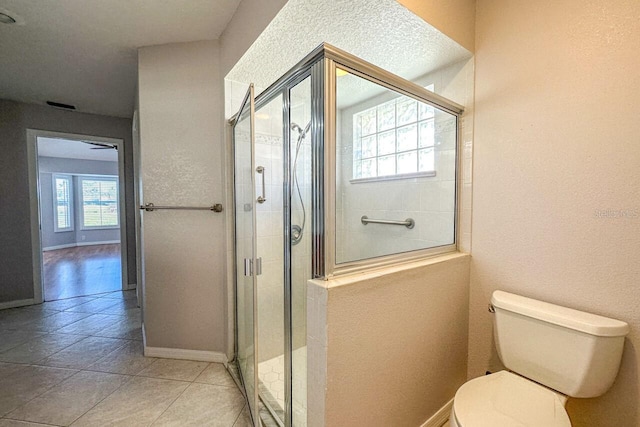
[[507, 400]]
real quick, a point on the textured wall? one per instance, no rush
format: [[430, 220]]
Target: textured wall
[[16, 275], [456, 18], [396, 343], [180, 97], [556, 198]]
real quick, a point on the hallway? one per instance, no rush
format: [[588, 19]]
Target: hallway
[[79, 362]]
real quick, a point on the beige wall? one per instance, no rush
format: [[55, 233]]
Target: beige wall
[[556, 142], [246, 25], [395, 344], [180, 96], [454, 18]]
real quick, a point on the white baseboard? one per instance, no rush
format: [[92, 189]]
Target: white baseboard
[[73, 245], [104, 242], [440, 418], [17, 303], [179, 353], [53, 248]]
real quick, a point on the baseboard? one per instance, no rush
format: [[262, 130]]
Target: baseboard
[[179, 353], [17, 303], [53, 248], [440, 418], [104, 242], [73, 245]]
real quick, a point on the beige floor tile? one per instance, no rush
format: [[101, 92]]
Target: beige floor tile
[[16, 423], [22, 386], [119, 295], [9, 368], [65, 304], [127, 360], [69, 400], [204, 405], [181, 370], [138, 402], [124, 328], [94, 306], [83, 353], [90, 325], [11, 339], [244, 419], [55, 321], [216, 374], [39, 347], [121, 306]]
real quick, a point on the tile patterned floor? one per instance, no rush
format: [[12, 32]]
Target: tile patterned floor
[[79, 362]]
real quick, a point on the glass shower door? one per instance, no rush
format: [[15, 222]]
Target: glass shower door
[[246, 262]]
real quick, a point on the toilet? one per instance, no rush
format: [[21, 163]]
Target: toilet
[[551, 353]]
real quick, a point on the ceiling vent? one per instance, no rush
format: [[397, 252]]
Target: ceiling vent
[[60, 105]]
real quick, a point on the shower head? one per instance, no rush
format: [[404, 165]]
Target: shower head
[[302, 132]]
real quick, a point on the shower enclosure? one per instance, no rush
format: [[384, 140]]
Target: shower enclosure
[[322, 161]]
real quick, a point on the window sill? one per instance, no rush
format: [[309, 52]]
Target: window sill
[[117, 227], [428, 174], [63, 230]]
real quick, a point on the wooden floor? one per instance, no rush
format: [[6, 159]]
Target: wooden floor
[[80, 271]]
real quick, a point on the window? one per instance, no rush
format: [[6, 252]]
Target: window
[[62, 203], [99, 207], [394, 139]]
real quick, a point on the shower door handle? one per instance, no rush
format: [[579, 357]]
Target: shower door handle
[[261, 171]]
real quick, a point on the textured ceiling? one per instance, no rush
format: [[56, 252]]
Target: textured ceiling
[[71, 149], [84, 52], [382, 32]]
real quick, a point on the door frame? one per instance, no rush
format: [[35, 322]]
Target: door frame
[[35, 208]]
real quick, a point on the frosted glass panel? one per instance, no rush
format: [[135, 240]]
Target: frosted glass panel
[[396, 160]]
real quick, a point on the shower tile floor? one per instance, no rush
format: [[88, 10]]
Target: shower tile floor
[[271, 374]]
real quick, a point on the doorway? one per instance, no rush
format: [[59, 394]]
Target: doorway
[[78, 215]]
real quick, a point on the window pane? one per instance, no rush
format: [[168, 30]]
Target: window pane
[[386, 116], [408, 162], [368, 122], [426, 111], [407, 111], [386, 165], [63, 203], [100, 202], [368, 146], [407, 138], [426, 160], [427, 134], [368, 168], [386, 143]]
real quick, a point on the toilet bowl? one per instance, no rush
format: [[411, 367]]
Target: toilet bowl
[[551, 353]]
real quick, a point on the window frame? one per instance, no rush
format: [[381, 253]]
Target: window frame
[[81, 179], [54, 202]]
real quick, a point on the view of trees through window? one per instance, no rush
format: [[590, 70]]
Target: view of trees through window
[[99, 202], [63, 203]]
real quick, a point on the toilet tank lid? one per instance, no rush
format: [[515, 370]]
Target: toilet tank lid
[[562, 316]]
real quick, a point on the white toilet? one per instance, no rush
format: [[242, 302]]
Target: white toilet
[[551, 353]]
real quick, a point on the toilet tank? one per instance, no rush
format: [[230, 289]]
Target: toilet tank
[[570, 351]]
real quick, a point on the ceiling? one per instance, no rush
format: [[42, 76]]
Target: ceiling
[[73, 149], [382, 32], [84, 53]]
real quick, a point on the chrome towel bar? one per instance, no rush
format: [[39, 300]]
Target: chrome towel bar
[[409, 222], [150, 207]]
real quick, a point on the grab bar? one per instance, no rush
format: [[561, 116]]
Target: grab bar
[[260, 170], [150, 207], [409, 222]]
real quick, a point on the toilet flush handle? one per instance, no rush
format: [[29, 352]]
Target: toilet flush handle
[[492, 309]]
